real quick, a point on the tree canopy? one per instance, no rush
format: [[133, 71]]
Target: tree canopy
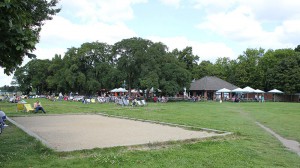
[[143, 64], [20, 25]]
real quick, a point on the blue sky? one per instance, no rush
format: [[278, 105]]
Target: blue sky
[[214, 28]]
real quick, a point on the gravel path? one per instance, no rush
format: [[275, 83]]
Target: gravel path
[[77, 132]]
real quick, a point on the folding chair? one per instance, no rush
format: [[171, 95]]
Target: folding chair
[[28, 107]]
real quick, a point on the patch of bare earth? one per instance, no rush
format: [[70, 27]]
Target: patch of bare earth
[[77, 132]]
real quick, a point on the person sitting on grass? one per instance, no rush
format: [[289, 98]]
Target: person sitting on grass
[[37, 106]]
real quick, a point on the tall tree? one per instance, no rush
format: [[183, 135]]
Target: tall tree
[[54, 80], [20, 25], [187, 57], [23, 79], [246, 71], [224, 68], [287, 75], [281, 70], [297, 49], [205, 68], [131, 55], [173, 77], [151, 67]]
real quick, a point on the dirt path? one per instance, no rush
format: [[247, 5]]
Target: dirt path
[[290, 144], [77, 132]]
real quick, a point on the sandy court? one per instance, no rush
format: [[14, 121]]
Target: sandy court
[[76, 132]]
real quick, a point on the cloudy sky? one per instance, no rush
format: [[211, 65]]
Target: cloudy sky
[[214, 28]]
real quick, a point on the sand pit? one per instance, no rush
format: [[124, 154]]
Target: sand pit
[[77, 132]]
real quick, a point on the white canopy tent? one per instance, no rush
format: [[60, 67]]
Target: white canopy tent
[[275, 91], [122, 90], [258, 91], [114, 90], [224, 90], [249, 89], [119, 90], [238, 90]]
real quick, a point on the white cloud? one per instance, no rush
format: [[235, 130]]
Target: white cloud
[[237, 25], [264, 10], [4, 79], [289, 31], [206, 51], [56, 39], [212, 6], [83, 32], [175, 3], [104, 10], [267, 24]]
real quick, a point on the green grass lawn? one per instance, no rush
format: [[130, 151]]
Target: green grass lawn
[[249, 146]]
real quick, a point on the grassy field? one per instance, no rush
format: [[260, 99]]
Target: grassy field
[[249, 146]]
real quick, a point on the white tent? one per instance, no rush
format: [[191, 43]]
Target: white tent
[[258, 91], [114, 90], [238, 90], [122, 90], [224, 90], [249, 89], [119, 90], [274, 91]]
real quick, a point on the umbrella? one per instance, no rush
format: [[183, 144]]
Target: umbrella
[[238, 90], [249, 89], [258, 91], [114, 90], [274, 91], [121, 90], [224, 90]]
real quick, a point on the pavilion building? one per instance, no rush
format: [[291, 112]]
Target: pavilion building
[[207, 86]]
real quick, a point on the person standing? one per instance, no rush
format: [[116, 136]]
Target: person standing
[[60, 96]]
